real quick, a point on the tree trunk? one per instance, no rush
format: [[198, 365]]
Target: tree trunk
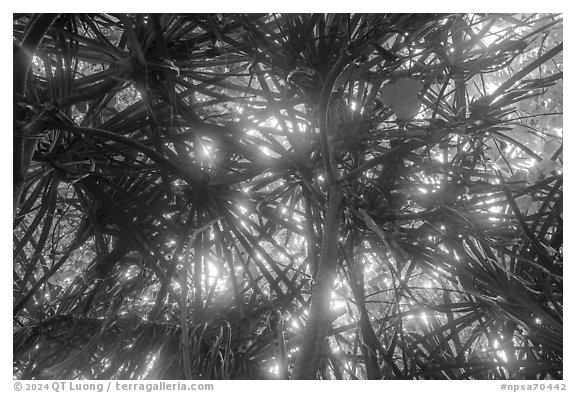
[[311, 346]]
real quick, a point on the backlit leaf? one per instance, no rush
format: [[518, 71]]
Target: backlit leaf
[[402, 97]]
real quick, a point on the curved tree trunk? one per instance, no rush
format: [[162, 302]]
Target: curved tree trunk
[[311, 346]]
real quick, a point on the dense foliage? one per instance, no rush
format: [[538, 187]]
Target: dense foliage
[[172, 180]]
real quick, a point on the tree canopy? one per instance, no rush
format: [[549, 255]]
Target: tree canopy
[[287, 196]]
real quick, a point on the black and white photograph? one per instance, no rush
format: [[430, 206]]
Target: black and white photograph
[[287, 196]]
